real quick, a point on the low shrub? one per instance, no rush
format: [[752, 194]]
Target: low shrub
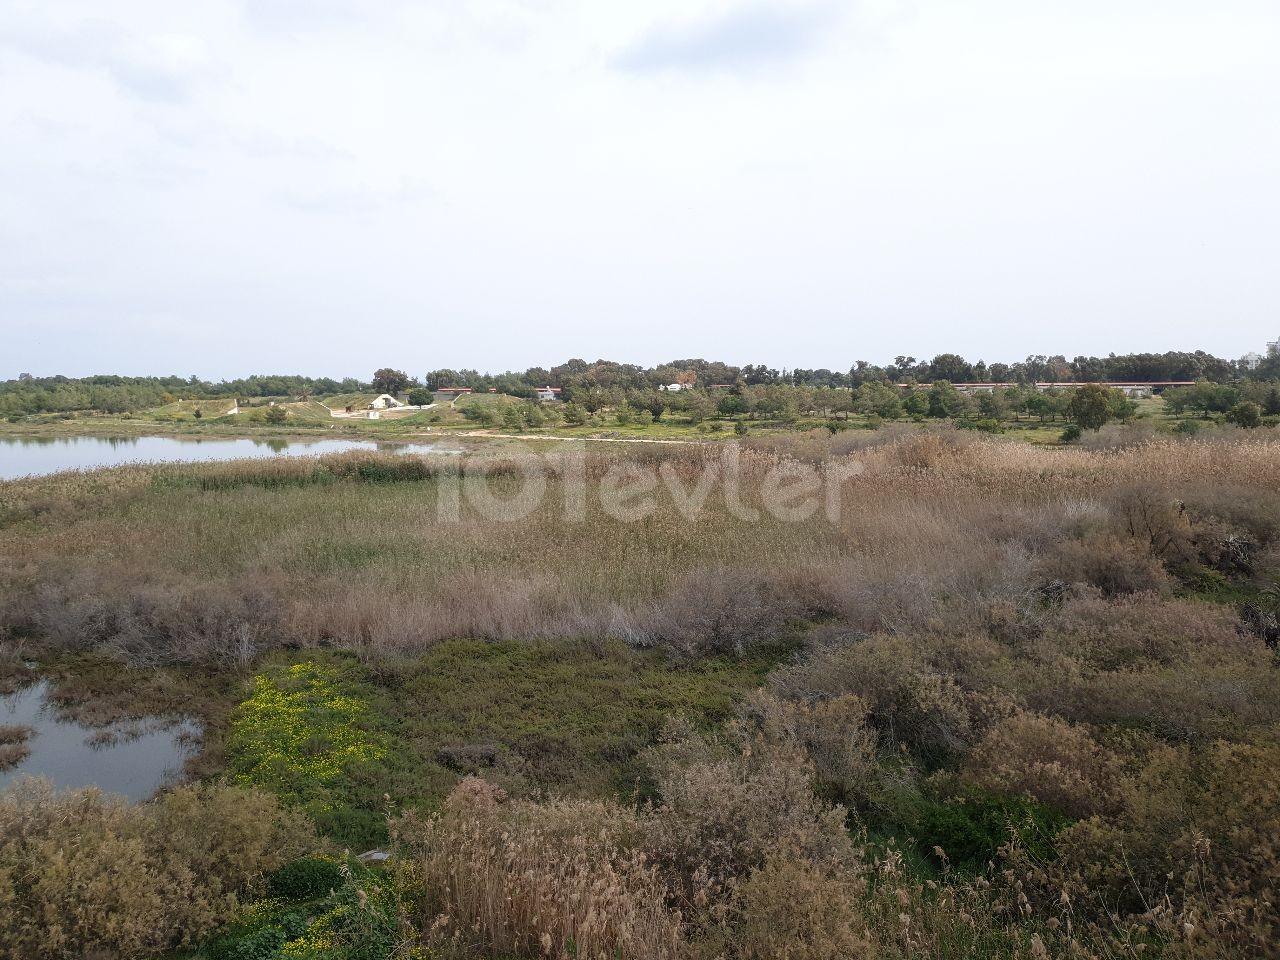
[[308, 878], [1194, 854], [970, 828], [724, 811], [793, 910], [82, 872], [910, 703], [1043, 758], [1113, 564]]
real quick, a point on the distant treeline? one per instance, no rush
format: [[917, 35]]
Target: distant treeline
[[115, 394], [951, 367]]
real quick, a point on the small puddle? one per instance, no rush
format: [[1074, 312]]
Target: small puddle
[[133, 758]]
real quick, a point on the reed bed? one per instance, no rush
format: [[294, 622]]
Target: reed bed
[[228, 559]]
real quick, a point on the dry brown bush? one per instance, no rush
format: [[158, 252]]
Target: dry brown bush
[[1194, 856], [719, 611], [912, 702], [1177, 703], [793, 910], [13, 744], [1114, 564], [832, 733], [723, 812], [153, 623], [1051, 761], [82, 872], [555, 879], [1122, 436], [1144, 628]]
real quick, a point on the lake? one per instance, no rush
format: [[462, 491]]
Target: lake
[[38, 456], [133, 759]]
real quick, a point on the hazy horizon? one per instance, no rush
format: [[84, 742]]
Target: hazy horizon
[[327, 188]]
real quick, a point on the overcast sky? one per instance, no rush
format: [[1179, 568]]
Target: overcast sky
[[327, 186]]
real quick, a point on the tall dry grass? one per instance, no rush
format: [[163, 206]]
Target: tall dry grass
[[536, 880], [224, 561]]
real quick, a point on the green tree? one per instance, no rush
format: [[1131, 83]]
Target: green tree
[[420, 397], [880, 400], [1247, 414], [276, 415], [1271, 405], [731, 404], [574, 415], [1091, 406], [698, 408], [916, 404], [512, 418], [944, 399], [992, 406], [388, 380]]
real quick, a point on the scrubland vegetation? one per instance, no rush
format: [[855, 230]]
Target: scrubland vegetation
[[1011, 702], [1044, 400]]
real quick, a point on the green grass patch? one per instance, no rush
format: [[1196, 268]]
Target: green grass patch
[[336, 739], [562, 716], [308, 733]]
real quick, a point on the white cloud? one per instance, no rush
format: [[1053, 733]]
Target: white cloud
[[320, 187]]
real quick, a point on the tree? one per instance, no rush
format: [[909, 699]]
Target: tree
[[420, 397], [916, 403], [574, 415], [1247, 414], [950, 367], [944, 399], [992, 406], [1271, 406], [731, 404], [1090, 406], [880, 400], [276, 415], [512, 418], [388, 380], [698, 408]]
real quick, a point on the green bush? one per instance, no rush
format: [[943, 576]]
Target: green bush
[[970, 828], [1072, 433], [259, 938], [307, 879]]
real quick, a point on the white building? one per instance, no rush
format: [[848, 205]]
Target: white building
[[385, 402], [1273, 348], [1252, 359], [673, 387]]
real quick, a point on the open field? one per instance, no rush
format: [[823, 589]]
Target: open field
[[985, 698]]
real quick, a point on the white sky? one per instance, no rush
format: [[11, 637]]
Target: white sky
[[327, 186]]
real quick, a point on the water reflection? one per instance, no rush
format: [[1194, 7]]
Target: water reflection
[[134, 758], [38, 456]]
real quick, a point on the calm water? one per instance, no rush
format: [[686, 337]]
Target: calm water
[[135, 761], [30, 456]]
